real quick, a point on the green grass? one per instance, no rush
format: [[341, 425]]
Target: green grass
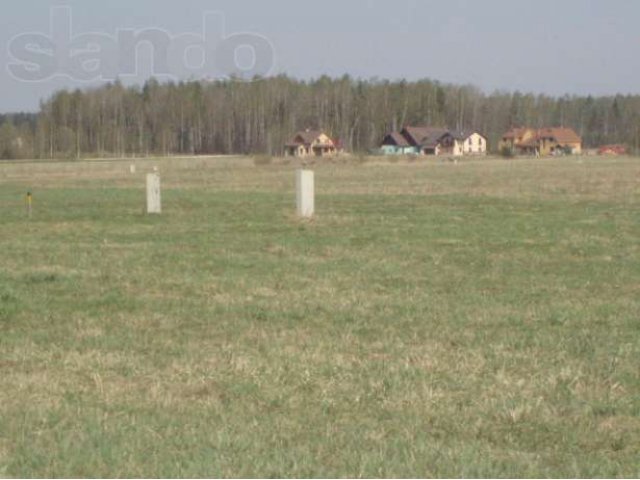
[[433, 320]]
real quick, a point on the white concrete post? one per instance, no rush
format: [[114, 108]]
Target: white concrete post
[[305, 195], [132, 168], [153, 193]]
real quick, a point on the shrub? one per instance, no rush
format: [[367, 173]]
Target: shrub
[[506, 152]]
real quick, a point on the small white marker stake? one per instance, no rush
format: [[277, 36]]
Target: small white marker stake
[[132, 168], [305, 195], [153, 193]]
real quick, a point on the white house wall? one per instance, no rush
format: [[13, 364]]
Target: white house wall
[[475, 144]]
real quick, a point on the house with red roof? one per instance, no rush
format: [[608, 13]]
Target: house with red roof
[[613, 150], [542, 141]]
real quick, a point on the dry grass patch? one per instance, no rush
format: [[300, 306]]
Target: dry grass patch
[[434, 319]]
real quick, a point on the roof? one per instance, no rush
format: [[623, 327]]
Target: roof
[[560, 135], [616, 148], [305, 137], [464, 134], [517, 132], [434, 138], [423, 136], [395, 138]]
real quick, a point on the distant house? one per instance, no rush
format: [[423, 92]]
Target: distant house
[[613, 150], [310, 143], [543, 141], [472, 142], [395, 143], [518, 140], [555, 141], [433, 141]]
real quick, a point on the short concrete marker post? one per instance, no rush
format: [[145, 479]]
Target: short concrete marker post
[[132, 168], [153, 193], [305, 194]]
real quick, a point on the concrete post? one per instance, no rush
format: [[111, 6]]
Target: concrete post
[[153, 193], [305, 195]]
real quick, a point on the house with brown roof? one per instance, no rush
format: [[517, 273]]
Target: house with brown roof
[[433, 141], [395, 143], [543, 141], [310, 143]]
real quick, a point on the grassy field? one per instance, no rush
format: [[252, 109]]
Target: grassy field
[[470, 320]]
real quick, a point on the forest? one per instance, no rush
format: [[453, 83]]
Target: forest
[[258, 117]]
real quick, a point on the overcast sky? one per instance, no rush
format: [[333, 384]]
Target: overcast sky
[[543, 46]]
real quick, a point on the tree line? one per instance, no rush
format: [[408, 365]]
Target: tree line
[[258, 117]]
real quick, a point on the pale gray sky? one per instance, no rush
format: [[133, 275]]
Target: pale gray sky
[[547, 46]]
